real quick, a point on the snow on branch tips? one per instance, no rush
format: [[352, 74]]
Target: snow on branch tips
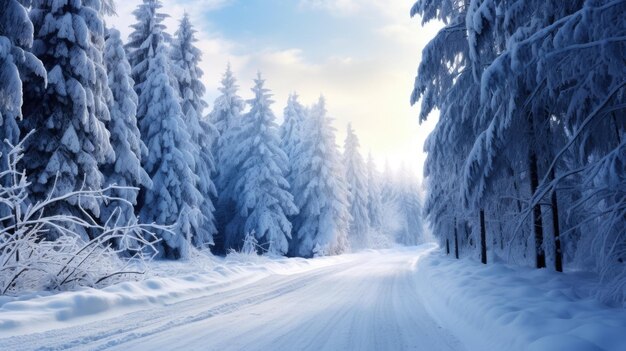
[[29, 262]]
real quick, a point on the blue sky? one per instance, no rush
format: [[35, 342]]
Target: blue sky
[[278, 23], [361, 54]]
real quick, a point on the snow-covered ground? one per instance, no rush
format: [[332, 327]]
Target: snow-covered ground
[[397, 299]]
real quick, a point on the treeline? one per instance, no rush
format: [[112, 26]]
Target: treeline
[[130, 118], [527, 163]]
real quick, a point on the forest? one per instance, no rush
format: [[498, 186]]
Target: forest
[[527, 162], [111, 156], [159, 192]]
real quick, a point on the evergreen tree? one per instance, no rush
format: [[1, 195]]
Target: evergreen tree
[[530, 93], [16, 63], [259, 189], [70, 141], [411, 230], [108, 7], [386, 188], [148, 35], [227, 108], [356, 178], [291, 129], [374, 201], [126, 171], [225, 116], [173, 197], [320, 190], [186, 57]]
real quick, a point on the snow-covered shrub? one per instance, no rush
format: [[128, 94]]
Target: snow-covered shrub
[[250, 245], [251, 251], [29, 262]]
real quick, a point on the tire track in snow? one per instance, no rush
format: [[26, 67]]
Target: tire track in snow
[[369, 302]]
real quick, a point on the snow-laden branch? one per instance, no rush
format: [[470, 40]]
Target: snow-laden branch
[[28, 261]]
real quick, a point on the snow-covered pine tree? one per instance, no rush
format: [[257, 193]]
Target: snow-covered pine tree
[[225, 116], [386, 188], [126, 171], [228, 107], [320, 190], [16, 62], [108, 7], [70, 142], [186, 57], [260, 191], [446, 81], [356, 179], [409, 204], [173, 197], [374, 201], [149, 32], [294, 117]]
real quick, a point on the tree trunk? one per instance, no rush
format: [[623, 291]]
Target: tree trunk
[[558, 255], [501, 235], [537, 220], [483, 238], [616, 126], [456, 240], [447, 246]]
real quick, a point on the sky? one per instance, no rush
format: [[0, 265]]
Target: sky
[[362, 55]]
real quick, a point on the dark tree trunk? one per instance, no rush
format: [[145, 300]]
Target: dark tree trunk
[[456, 240], [517, 195], [447, 246], [483, 238], [616, 126], [537, 220], [501, 236], [558, 255]]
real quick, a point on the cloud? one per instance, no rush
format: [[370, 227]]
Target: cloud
[[335, 7], [369, 87]]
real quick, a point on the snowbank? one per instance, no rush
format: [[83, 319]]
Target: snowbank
[[168, 283], [501, 307]]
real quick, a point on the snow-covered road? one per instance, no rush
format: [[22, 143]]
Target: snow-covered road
[[366, 301]]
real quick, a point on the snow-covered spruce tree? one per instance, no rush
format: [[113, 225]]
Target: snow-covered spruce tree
[[186, 58], [173, 197], [225, 116], [70, 142], [16, 39], [446, 81], [228, 107], [374, 192], [409, 204], [126, 170], [387, 190], [553, 71], [294, 117], [108, 7], [149, 33], [356, 179], [259, 189], [16, 64], [320, 190]]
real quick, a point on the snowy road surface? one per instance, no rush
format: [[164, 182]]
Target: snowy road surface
[[366, 301]]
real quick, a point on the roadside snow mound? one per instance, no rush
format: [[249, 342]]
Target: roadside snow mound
[[169, 282], [501, 307]]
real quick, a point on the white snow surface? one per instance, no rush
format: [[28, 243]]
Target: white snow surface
[[395, 299]]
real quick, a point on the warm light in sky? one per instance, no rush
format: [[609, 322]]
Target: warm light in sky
[[361, 54]]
